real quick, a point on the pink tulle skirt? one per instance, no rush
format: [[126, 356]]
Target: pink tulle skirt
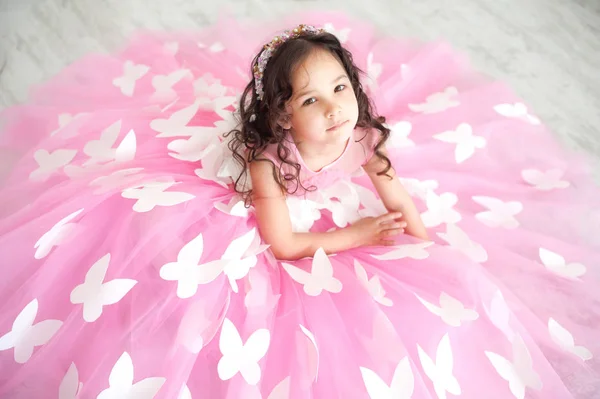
[[131, 270]]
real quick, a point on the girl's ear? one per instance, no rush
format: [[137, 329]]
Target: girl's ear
[[285, 122]]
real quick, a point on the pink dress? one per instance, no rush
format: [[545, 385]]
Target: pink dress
[[131, 270]]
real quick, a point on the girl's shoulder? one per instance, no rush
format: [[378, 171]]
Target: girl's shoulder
[[364, 142]]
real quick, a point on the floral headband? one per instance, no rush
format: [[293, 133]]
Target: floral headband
[[269, 48]]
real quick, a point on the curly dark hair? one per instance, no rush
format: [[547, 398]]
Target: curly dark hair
[[259, 119]]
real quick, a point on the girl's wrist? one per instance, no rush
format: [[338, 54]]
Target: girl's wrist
[[353, 236]]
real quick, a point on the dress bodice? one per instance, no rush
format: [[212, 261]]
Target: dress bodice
[[358, 151]]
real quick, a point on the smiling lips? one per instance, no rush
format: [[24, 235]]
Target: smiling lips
[[337, 126]]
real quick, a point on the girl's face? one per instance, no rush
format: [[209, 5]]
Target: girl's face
[[323, 109]]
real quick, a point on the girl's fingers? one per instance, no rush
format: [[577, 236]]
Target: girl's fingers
[[389, 217], [392, 226], [392, 232]]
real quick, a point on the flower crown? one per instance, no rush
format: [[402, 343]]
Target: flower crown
[[269, 48]]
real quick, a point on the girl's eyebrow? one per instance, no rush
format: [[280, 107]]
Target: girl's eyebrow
[[303, 93]]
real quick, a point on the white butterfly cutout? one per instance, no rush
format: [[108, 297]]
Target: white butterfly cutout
[[235, 207], [116, 180], [241, 255], [70, 387], [188, 271], [121, 384], [399, 135], [342, 213], [102, 151], [216, 47], [343, 201], [176, 125], [230, 170], [65, 120], [437, 102], [94, 293], [50, 163], [459, 240], [131, 74], [152, 194], [499, 314], [544, 181], [466, 142], [401, 387], [516, 110], [372, 206], [59, 234], [319, 279], [194, 148], [125, 151], [500, 214], [440, 371], [185, 393], [221, 107], [204, 139], [418, 188], [564, 339], [317, 355], [411, 251], [213, 161], [451, 310], [163, 84], [373, 285], [557, 264], [519, 372], [208, 87], [240, 357], [440, 209], [25, 335], [303, 213], [341, 34]]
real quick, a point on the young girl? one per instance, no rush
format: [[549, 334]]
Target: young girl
[[310, 100], [153, 247]]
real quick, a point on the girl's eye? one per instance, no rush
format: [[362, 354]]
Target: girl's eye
[[309, 101], [339, 88]]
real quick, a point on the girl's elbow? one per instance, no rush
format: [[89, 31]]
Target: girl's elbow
[[284, 254], [283, 250]]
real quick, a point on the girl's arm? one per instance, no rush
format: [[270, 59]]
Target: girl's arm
[[395, 197], [275, 227]]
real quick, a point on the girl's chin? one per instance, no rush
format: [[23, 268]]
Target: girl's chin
[[342, 134]]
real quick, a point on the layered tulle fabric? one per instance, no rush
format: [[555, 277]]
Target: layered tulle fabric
[[131, 269]]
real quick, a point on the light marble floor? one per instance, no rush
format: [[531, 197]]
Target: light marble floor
[[548, 50]]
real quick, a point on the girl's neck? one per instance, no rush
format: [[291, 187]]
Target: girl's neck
[[316, 157]]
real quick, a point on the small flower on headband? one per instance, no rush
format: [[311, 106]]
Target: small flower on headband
[[269, 48]]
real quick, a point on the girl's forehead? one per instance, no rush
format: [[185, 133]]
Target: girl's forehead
[[319, 67]]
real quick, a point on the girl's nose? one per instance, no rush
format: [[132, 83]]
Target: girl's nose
[[333, 110]]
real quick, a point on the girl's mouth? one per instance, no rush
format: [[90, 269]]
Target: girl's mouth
[[337, 126]]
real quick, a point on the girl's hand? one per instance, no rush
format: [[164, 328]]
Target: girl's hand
[[372, 231]]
